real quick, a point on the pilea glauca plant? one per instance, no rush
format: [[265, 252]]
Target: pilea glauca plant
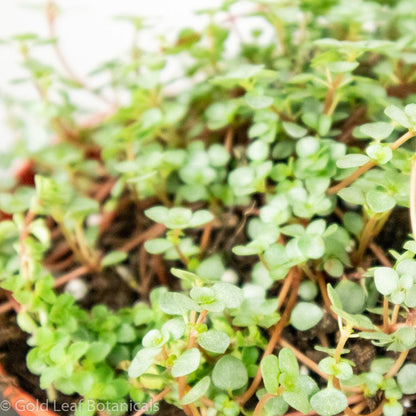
[[238, 239]]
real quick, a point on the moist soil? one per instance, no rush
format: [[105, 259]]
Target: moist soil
[[111, 289]]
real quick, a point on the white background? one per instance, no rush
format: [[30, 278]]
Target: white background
[[87, 32]]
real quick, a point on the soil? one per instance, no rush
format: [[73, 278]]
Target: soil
[[112, 290]]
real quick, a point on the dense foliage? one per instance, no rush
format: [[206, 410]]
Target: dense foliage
[[264, 181]]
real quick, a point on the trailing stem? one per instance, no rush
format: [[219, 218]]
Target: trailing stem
[[330, 101], [276, 332], [364, 168], [262, 402], [398, 363]]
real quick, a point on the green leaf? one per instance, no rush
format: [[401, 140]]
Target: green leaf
[[258, 150], [78, 349], [257, 102], [308, 290], [205, 297], [228, 294], [214, 341], [178, 218], [154, 338], [329, 402], [324, 124], [305, 316], [380, 153], [270, 373], [341, 370], [229, 373], [276, 406], [353, 195], [81, 207], [381, 365], [288, 363], [342, 66], [114, 257], [200, 217], [294, 130], [126, 333], [298, 400], [377, 131], [185, 275], [142, 361], [398, 115], [197, 391], [157, 214], [386, 280], [393, 409], [405, 337], [334, 267], [380, 201], [334, 297], [352, 296], [312, 247], [157, 245], [97, 351], [407, 378], [352, 161], [81, 382], [187, 363], [173, 303], [218, 155], [353, 222], [175, 327], [26, 322], [307, 146], [410, 111]]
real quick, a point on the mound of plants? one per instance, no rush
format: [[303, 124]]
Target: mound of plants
[[235, 239]]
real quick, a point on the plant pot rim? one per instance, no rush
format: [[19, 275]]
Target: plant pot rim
[[23, 403]]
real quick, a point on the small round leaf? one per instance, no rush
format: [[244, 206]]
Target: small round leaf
[[229, 373]]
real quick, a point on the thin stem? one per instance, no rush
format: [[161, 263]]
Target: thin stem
[[324, 294], [396, 366], [364, 168], [181, 392], [229, 137], [395, 314], [88, 254], [379, 253], [329, 106], [206, 234], [386, 322], [184, 259], [51, 13], [72, 243], [277, 330], [261, 403], [152, 401], [201, 317], [284, 290], [365, 238], [412, 197], [345, 334], [71, 276], [263, 261], [152, 232]]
